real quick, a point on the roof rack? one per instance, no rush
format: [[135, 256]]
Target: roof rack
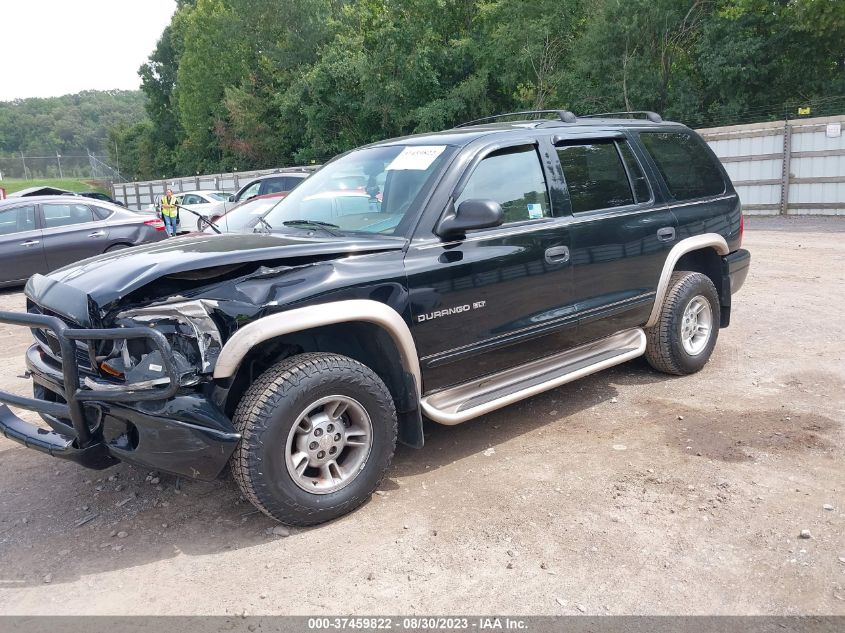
[[646, 114], [565, 115]]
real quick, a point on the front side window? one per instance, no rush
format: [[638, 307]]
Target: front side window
[[17, 220], [513, 178], [595, 176], [251, 191], [370, 190], [685, 164], [56, 215]]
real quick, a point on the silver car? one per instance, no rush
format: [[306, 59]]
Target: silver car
[[42, 233]]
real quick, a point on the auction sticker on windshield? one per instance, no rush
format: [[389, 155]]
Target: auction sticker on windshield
[[418, 157]]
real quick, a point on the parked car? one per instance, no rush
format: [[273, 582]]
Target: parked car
[[280, 182], [98, 195], [40, 234], [244, 217], [495, 261], [201, 202]]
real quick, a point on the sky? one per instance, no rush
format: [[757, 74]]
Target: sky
[[56, 47]]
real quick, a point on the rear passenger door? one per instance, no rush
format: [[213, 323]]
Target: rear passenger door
[[620, 238], [71, 232], [695, 183], [21, 248]]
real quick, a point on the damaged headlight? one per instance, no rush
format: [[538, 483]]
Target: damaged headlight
[[193, 335]]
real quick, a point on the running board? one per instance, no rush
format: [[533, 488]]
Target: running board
[[477, 397]]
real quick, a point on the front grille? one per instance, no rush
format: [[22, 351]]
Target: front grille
[[48, 342]]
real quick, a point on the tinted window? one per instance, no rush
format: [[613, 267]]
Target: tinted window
[[56, 215], [595, 176], [514, 179], [642, 192], [685, 164], [274, 185], [17, 220]]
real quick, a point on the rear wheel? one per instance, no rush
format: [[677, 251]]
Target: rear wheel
[[685, 334], [318, 434]]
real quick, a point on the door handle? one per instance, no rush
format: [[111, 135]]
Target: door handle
[[29, 243], [557, 255], [97, 234], [666, 234]]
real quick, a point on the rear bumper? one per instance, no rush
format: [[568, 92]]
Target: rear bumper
[[735, 269], [155, 427]]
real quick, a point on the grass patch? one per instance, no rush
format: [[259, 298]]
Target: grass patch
[[11, 185]]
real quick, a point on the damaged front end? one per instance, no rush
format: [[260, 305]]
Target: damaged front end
[[128, 393]]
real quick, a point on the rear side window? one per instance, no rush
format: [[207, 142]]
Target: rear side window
[[685, 164], [595, 176], [513, 178], [17, 220], [101, 213]]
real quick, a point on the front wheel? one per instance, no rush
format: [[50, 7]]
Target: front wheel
[[318, 434], [685, 334]]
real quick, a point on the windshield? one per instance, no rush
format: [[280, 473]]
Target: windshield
[[218, 195], [245, 216], [370, 190]]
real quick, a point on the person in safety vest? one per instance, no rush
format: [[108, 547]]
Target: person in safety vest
[[169, 212]]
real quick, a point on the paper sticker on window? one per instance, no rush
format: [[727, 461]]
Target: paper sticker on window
[[535, 211], [418, 157]]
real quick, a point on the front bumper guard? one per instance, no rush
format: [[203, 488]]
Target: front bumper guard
[[83, 447]]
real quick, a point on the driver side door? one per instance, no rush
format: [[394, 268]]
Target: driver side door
[[499, 297]]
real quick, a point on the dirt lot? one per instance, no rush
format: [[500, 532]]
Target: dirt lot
[[626, 492]]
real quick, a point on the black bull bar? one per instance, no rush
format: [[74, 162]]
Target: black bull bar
[[74, 395]]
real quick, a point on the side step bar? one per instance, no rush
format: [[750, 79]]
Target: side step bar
[[477, 397]]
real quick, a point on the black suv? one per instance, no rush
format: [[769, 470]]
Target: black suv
[[465, 270]]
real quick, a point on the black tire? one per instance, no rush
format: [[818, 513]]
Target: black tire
[[266, 416], [665, 350]]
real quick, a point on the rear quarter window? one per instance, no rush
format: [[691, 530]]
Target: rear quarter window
[[687, 167]]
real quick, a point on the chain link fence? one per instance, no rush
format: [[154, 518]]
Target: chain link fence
[[72, 165]]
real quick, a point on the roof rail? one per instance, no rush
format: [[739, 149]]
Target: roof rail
[[646, 114], [565, 115]]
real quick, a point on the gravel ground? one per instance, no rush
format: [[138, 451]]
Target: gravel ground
[[628, 492]]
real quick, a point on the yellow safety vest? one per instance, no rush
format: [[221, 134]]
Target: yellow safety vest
[[168, 207]]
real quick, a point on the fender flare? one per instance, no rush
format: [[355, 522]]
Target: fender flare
[[695, 243], [306, 318]]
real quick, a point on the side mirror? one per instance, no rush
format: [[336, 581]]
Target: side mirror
[[232, 198], [470, 214]]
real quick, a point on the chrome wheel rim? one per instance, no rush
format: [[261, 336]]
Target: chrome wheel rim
[[329, 444], [696, 325]]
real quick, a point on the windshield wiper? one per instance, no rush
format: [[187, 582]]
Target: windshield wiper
[[316, 224], [267, 227], [205, 220]]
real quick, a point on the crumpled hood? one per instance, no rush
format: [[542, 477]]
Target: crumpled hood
[[104, 279]]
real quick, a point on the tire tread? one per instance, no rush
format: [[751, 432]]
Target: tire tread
[[660, 352], [253, 412]]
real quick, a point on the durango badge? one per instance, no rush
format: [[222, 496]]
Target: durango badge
[[447, 311]]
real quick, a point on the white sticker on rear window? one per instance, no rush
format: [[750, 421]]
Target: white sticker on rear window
[[155, 367], [418, 157]]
